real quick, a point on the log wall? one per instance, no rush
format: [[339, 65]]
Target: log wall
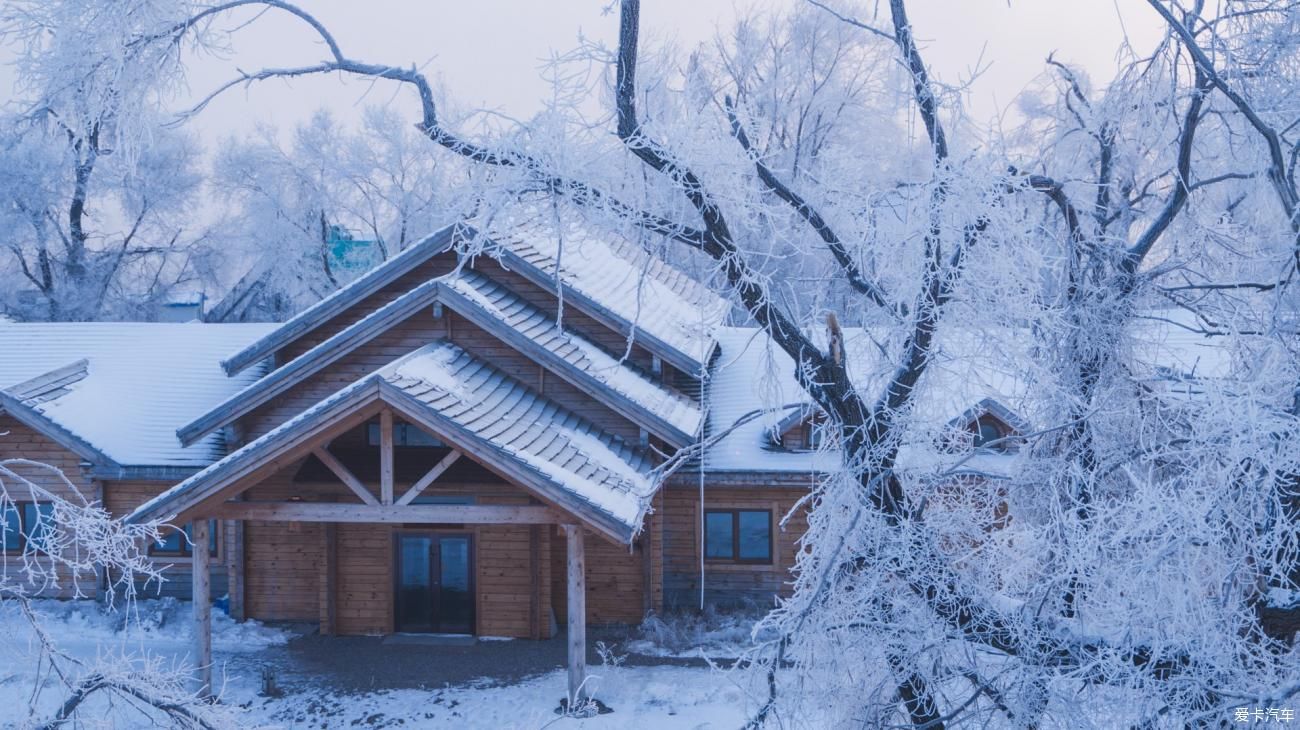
[[727, 583]]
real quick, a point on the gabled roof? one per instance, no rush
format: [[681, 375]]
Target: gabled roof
[[610, 280], [138, 380], [295, 371], [617, 283], [327, 308], [495, 419], [752, 373], [661, 410], [997, 410], [481, 405]]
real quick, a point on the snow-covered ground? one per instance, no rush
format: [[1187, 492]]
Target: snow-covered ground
[[644, 697], [641, 696], [710, 635]]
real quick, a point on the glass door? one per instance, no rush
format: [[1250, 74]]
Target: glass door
[[414, 601], [455, 610], [434, 590]]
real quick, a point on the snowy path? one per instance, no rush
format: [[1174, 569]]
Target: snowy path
[[641, 696]]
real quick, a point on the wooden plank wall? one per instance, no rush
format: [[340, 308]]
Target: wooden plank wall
[[415, 332], [282, 560], [616, 577], [437, 266], [17, 441], [726, 584]]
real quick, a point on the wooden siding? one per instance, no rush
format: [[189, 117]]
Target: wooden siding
[[17, 441], [282, 560], [726, 584], [616, 575], [436, 266]]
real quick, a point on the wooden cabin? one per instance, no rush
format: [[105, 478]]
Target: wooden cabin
[[449, 443]]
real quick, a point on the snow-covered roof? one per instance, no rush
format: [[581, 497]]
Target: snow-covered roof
[[753, 374], [592, 466], [483, 412], [674, 315], [140, 380], [610, 279], [613, 381]]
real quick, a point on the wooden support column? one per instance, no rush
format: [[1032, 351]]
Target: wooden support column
[[578, 691], [330, 588], [201, 599], [534, 582], [234, 534], [647, 573], [386, 456]]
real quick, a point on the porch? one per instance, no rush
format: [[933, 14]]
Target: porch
[[434, 495]]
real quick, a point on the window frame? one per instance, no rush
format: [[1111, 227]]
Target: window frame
[[186, 551], [735, 558], [23, 536]]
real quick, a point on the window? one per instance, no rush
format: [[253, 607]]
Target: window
[[172, 544], [404, 434], [987, 431], [738, 536], [24, 525]]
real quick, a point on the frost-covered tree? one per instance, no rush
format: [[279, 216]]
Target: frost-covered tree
[[97, 197], [304, 218], [1153, 509], [68, 546]]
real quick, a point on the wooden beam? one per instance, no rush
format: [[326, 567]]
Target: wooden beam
[[386, 456], [577, 564], [201, 598], [344, 475], [418, 488], [478, 514]]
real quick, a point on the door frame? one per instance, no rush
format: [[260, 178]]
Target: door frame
[[472, 569]]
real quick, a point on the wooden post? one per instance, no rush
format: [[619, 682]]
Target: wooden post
[[202, 600], [578, 692], [534, 582], [235, 566], [386, 456], [647, 573], [329, 621]]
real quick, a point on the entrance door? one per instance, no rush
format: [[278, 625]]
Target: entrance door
[[435, 586]]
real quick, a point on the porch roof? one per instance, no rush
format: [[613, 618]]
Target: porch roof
[[562, 458]]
